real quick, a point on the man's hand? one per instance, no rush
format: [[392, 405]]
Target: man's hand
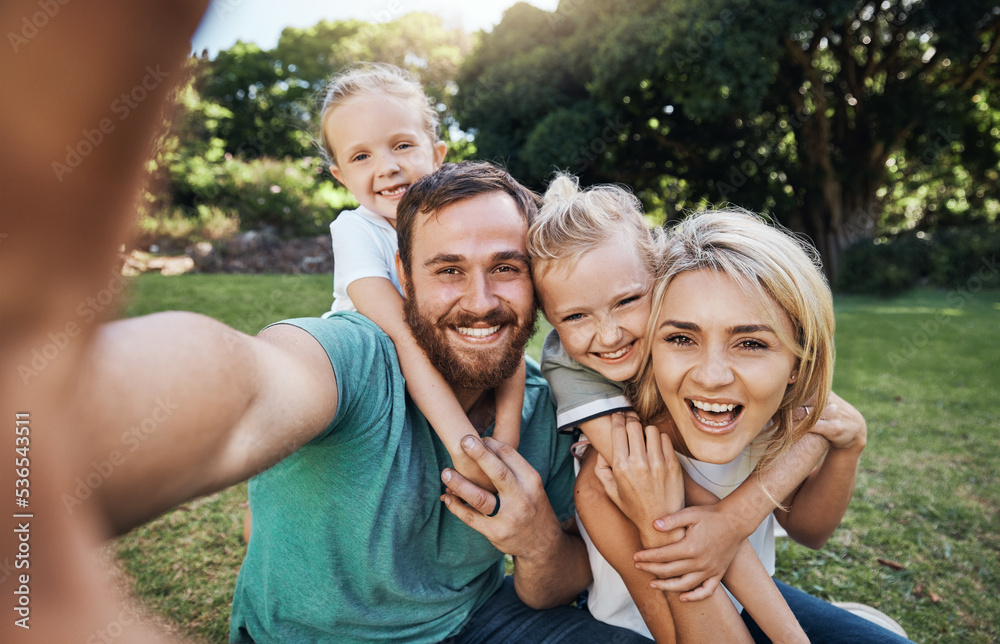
[[550, 566], [525, 521]]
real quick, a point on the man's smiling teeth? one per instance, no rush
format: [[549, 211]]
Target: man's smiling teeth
[[615, 354], [477, 333], [716, 407], [393, 192]]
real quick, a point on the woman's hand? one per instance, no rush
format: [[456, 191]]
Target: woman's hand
[[644, 479]]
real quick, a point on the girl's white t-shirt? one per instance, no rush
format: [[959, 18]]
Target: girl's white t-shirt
[[364, 245]]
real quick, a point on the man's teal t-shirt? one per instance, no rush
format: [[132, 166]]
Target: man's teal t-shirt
[[350, 540]]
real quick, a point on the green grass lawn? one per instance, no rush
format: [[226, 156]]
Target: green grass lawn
[[923, 368]]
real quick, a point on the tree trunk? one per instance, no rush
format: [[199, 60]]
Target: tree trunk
[[835, 218]]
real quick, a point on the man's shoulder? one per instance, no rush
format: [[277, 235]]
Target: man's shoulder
[[345, 334]]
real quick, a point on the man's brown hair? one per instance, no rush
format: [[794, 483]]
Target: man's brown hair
[[451, 183]]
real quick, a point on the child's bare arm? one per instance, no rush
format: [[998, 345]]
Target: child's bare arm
[[749, 582], [617, 539], [378, 300], [510, 402], [816, 509]]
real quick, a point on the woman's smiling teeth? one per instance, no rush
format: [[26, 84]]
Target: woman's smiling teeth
[[477, 332], [616, 354], [715, 414]]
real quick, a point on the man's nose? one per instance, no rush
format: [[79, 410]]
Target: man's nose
[[480, 296]]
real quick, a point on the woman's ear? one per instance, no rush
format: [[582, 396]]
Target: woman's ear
[[794, 376]]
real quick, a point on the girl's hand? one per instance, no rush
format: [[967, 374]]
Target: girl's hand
[[645, 480], [841, 424]]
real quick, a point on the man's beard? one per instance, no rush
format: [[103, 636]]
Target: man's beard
[[470, 369]]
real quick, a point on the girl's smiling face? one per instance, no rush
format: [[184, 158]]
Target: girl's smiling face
[[381, 147], [599, 307], [719, 364]]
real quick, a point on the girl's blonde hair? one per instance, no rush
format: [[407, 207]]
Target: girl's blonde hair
[[767, 262], [572, 222], [369, 78]]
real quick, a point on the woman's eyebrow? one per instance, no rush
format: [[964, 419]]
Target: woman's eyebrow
[[750, 328], [733, 330]]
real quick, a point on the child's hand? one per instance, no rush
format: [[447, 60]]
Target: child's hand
[[645, 481], [467, 467], [841, 424], [696, 564]]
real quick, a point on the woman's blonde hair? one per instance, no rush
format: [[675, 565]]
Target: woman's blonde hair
[[572, 222], [767, 262], [365, 78]]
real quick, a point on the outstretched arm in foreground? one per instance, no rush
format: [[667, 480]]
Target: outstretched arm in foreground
[[181, 405]]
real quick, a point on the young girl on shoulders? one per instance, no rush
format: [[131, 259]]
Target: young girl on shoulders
[[380, 135], [594, 260]]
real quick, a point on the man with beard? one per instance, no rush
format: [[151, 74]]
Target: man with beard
[[350, 539]]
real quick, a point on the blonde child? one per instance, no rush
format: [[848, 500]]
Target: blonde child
[[593, 260], [740, 337], [380, 135]]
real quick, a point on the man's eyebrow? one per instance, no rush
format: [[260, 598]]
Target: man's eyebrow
[[499, 256], [444, 258], [511, 256]]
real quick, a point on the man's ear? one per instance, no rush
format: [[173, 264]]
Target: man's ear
[[404, 278]]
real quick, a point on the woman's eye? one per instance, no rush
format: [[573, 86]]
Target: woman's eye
[[629, 300], [678, 339], [753, 345]]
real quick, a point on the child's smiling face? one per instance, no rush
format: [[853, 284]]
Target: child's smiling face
[[719, 365], [599, 307], [381, 147]]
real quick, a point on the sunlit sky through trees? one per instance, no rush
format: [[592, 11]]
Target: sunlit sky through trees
[[261, 21]]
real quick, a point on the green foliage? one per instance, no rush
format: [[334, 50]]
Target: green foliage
[[947, 258], [240, 146], [824, 114]]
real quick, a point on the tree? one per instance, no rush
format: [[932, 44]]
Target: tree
[[806, 110]]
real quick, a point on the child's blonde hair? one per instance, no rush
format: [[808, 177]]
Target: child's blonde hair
[[767, 262], [572, 222], [362, 78]]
